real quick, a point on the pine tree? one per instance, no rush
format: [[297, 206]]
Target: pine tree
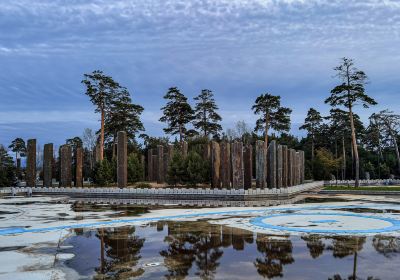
[[177, 113], [312, 124], [122, 115], [273, 115], [18, 147], [205, 116], [7, 169], [102, 90], [348, 94], [389, 124]]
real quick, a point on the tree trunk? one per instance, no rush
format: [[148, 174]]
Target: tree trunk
[[344, 160], [180, 134], [355, 149], [396, 148], [312, 154], [266, 130], [102, 135]]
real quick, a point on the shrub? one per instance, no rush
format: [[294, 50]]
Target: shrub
[[135, 169], [176, 170], [196, 169], [103, 173], [325, 164]]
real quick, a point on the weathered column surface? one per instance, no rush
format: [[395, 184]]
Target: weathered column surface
[[215, 165], [122, 160], [48, 165], [31, 163], [160, 164], [143, 164], [237, 165], [279, 165], [226, 172], [284, 166], [184, 149], [155, 167], [272, 170], [248, 166], [65, 166], [79, 167], [150, 165], [261, 165]]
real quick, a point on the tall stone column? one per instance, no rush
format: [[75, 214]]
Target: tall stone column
[[79, 167], [215, 165], [237, 165], [207, 151], [261, 166], [279, 165], [65, 166], [122, 160], [48, 165], [150, 165], [248, 166], [272, 170], [143, 163], [155, 167], [284, 166], [160, 164], [184, 149], [31, 163], [226, 170], [293, 167], [298, 168], [302, 167]]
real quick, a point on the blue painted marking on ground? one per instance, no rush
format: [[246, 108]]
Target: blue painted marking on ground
[[20, 230], [260, 222], [323, 221]]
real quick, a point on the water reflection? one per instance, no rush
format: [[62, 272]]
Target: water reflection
[[204, 251]]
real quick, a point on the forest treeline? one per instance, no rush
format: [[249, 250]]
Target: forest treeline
[[338, 145]]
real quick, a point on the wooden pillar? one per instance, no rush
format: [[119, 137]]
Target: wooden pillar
[[292, 168], [79, 168], [237, 166], [160, 164], [272, 170], [215, 165], [261, 167], [184, 149], [225, 148], [143, 163], [248, 166], [279, 165], [154, 160], [31, 163], [150, 165], [65, 166], [298, 168], [122, 160], [48, 165], [302, 167], [284, 166]]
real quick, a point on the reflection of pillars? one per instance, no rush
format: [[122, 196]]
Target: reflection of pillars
[[160, 226], [215, 236], [355, 261], [237, 239], [102, 260], [248, 236], [226, 236]]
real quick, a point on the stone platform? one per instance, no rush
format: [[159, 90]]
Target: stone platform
[[169, 193]]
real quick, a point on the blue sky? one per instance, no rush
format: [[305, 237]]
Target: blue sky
[[237, 48]]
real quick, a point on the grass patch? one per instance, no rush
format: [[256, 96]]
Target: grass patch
[[363, 188]]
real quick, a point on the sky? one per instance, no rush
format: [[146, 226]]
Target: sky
[[239, 49]]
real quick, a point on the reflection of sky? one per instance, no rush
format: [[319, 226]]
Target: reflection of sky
[[237, 48]]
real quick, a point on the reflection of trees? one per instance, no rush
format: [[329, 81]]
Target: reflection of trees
[[343, 246], [122, 248], [199, 244], [276, 254], [315, 245], [386, 245]]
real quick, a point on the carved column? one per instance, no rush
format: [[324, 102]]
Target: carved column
[[261, 167], [31, 163], [65, 166], [272, 170], [237, 165], [279, 165], [225, 148], [47, 165], [79, 168], [160, 164], [215, 165], [248, 166]]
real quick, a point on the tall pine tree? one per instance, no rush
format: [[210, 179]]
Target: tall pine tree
[[177, 113], [273, 115], [349, 93], [312, 124], [206, 118]]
